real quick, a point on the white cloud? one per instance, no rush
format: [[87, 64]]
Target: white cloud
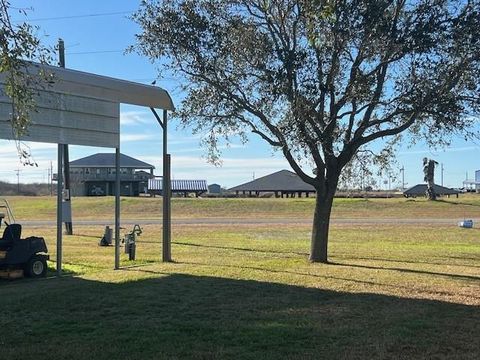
[[200, 149], [134, 118], [136, 137]]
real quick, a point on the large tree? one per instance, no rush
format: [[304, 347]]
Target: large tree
[[320, 79]]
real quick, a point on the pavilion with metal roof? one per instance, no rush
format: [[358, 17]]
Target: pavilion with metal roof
[[281, 183], [421, 190]]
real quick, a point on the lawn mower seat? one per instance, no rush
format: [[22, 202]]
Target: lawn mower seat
[[12, 233]]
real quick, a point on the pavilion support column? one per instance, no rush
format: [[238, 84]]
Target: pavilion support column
[[59, 208], [67, 185], [65, 160], [167, 193], [117, 208]]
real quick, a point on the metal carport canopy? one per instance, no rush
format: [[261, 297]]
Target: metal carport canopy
[[107, 88], [80, 108]]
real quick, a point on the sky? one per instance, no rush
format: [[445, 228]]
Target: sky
[[96, 34]]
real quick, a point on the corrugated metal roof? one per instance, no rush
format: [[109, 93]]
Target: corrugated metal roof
[[179, 185], [282, 180], [108, 160], [420, 190]]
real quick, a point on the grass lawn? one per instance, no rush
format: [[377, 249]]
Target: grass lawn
[[44, 208], [248, 292]]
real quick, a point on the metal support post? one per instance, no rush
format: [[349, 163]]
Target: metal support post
[[117, 208], [66, 159], [59, 209], [67, 201], [166, 192]]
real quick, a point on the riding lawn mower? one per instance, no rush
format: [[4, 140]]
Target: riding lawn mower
[[28, 255]]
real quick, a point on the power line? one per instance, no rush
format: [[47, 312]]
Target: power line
[[95, 52], [78, 16]]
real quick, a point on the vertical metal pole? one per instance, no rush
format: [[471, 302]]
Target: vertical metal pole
[[61, 53], [67, 202], [403, 177], [442, 174], [117, 208], [59, 209], [166, 253], [167, 224], [66, 158]]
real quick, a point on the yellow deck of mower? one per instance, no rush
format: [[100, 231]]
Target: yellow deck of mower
[[19, 255]]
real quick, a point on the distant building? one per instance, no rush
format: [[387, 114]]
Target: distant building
[[214, 189], [281, 183], [420, 190], [94, 175]]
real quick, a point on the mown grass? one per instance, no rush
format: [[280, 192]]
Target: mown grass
[[249, 292], [44, 208]]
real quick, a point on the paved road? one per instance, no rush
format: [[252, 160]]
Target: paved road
[[257, 221]]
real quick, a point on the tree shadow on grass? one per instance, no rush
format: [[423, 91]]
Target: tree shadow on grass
[[446, 261], [241, 249], [457, 203], [411, 271], [173, 316], [327, 277]]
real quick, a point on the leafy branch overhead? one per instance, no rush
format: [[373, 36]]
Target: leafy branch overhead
[[18, 43]]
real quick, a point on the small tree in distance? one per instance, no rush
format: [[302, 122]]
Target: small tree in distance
[[320, 79]]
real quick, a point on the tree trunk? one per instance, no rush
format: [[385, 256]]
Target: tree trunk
[[321, 223], [431, 195]]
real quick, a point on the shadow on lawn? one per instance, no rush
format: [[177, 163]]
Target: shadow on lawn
[[411, 271], [182, 316], [445, 259], [457, 203], [241, 249]]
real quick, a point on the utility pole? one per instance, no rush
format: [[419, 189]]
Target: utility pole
[[51, 178], [402, 170], [66, 160], [442, 172], [18, 180]]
